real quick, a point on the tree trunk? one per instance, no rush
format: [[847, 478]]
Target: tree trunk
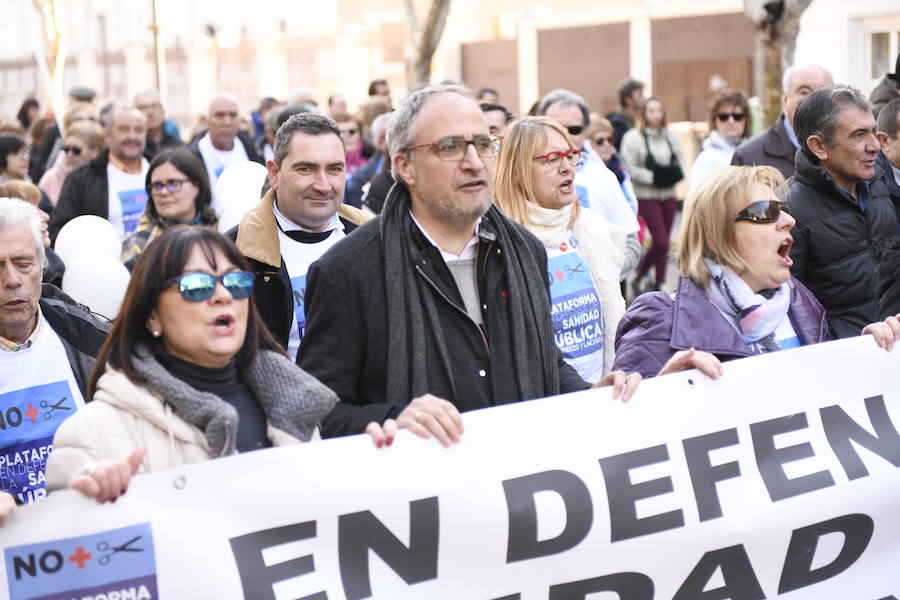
[[424, 41], [777, 25]]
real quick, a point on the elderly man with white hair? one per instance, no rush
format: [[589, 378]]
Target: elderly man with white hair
[[48, 344], [778, 144]]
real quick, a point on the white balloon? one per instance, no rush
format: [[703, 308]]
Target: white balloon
[[231, 217], [98, 281], [239, 185], [85, 235]]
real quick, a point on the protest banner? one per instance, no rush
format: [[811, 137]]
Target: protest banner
[[779, 480]]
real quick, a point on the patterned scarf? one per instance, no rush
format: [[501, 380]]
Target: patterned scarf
[[757, 316]]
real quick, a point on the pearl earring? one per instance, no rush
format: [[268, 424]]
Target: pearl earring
[[156, 333]]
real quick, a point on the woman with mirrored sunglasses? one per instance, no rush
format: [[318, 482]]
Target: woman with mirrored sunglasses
[[730, 125], [735, 296], [534, 186], [189, 372]]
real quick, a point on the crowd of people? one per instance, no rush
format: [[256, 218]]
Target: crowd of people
[[401, 265]]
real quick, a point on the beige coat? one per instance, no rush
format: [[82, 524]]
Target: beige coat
[[123, 417], [634, 158]]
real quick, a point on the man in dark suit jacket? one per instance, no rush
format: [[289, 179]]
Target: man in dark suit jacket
[[777, 145]]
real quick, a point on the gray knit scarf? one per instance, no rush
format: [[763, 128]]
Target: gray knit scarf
[[292, 400], [418, 359]]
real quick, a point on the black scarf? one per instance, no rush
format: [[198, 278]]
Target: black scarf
[[418, 358]]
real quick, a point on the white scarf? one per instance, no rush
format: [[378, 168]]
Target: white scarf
[[602, 246]]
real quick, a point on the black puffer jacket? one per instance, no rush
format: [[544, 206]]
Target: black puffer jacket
[[834, 243], [85, 192], [887, 279], [81, 331]]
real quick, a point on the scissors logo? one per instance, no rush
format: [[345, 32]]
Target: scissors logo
[[61, 405], [572, 271], [126, 547]]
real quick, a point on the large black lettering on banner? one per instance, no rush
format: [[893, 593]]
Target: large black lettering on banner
[[623, 495], [798, 571], [523, 520], [362, 531], [256, 577]]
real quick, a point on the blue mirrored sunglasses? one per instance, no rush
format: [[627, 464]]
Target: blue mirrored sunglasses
[[198, 286]]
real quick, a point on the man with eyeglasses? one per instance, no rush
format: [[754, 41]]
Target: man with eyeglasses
[[596, 185], [110, 186], [48, 344], [778, 144], [842, 208], [440, 304], [297, 220], [158, 137]]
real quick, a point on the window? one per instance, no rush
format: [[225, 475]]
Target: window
[[881, 48]]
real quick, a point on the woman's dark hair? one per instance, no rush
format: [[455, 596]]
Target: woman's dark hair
[[662, 124], [9, 144], [22, 115], [734, 98], [185, 161], [163, 259]]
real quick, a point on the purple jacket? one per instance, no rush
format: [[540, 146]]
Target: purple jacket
[[655, 327]]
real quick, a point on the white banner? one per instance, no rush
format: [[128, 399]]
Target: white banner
[[778, 480]]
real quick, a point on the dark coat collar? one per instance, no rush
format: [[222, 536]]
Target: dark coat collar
[[777, 143]]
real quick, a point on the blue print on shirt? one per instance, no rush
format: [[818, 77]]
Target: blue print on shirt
[[28, 420], [582, 194], [575, 306], [791, 342], [133, 203], [298, 285]]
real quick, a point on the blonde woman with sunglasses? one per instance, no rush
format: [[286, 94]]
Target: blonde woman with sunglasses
[[735, 295]]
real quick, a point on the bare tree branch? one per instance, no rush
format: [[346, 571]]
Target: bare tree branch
[[424, 41]]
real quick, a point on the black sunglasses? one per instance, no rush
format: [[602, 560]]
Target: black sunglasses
[[574, 129], [762, 211], [73, 149], [738, 117], [199, 286]]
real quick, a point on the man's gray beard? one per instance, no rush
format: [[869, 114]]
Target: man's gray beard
[[453, 214]]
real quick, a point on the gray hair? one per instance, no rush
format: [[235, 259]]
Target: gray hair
[[818, 113], [401, 131], [887, 119], [14, 211], [566, 98], [792, 70], [114, 110], [380, 124], [308, 123]]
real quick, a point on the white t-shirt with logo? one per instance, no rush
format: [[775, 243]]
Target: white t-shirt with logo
[[127, 197], [576, 309], [216, 161], [38, 392], [298, 256]]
